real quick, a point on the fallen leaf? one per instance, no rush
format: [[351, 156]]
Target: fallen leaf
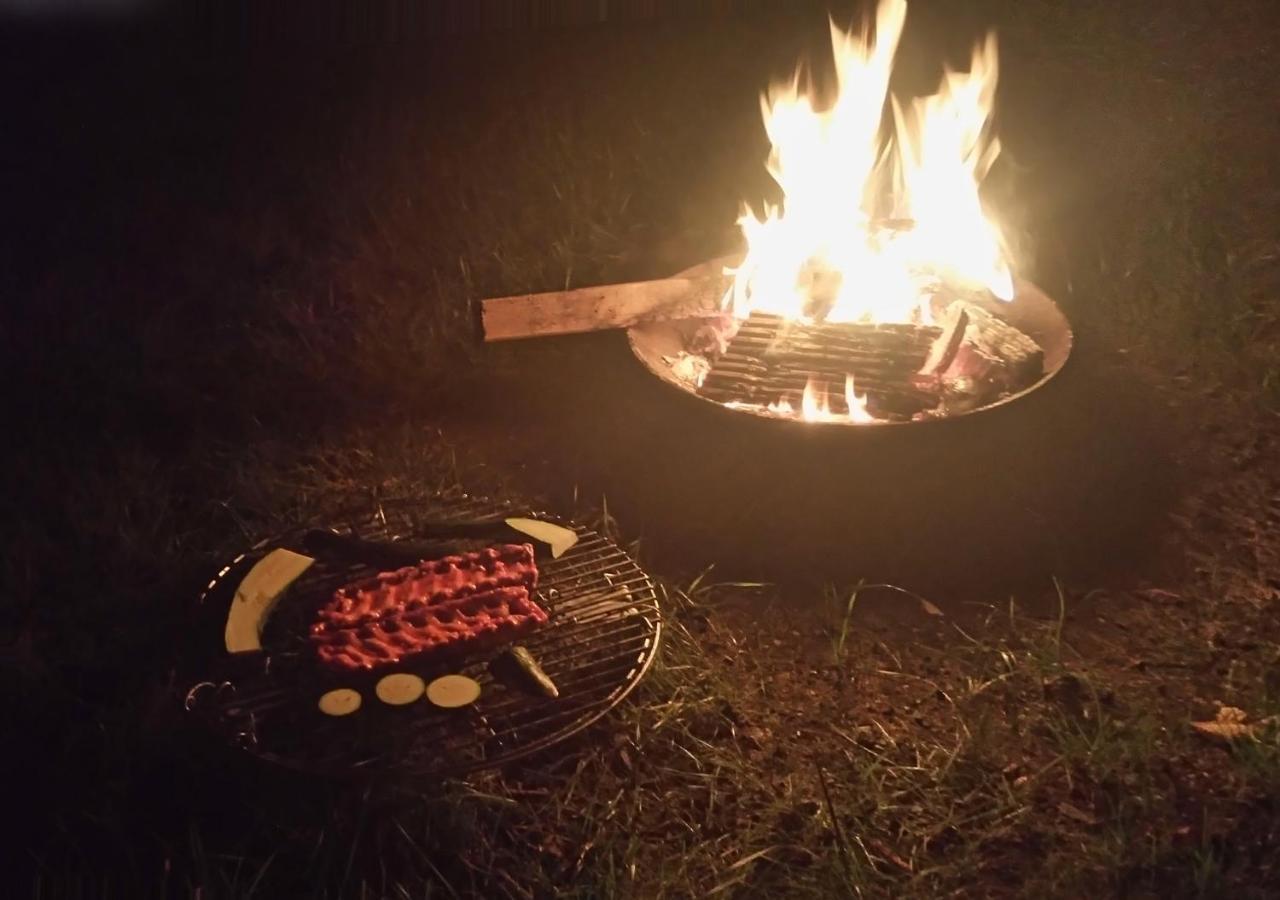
[[1230, 724]]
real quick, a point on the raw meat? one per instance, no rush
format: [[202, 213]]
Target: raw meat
[[469, 621], [469, 602], [429, 582]]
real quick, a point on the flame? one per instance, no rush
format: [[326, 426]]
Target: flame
[[781, 407], [815, 405], [824, 254], [857, 404]]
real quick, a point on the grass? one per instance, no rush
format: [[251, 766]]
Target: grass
[[255, 318]]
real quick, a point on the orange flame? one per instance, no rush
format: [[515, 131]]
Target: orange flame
[[815, 405], [822, 256]]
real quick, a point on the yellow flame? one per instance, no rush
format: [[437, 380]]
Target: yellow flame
[[857, 403], [822, 255], [781, 407], [815, 404]]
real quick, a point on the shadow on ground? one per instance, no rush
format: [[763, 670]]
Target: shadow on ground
[[1072, 481]]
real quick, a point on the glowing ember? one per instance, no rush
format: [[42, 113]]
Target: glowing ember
[[870, 223]]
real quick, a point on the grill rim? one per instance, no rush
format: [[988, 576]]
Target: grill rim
[[651, 341], [585, 707]]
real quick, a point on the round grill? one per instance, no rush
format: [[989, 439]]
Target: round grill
[[601, 637]]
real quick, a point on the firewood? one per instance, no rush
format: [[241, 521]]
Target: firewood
[[981, 354], [598, 308]]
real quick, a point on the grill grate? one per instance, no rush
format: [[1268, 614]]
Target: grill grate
[[602, 636], [769, 359]]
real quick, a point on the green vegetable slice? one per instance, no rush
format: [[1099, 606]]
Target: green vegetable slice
[[517, 667]]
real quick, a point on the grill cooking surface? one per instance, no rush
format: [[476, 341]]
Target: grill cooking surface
[[602, 635], [769, 359]]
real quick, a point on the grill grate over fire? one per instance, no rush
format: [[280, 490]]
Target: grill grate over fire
[[772, 361]]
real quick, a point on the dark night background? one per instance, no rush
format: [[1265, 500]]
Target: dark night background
[[239, 244]]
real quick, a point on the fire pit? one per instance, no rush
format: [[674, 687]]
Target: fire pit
[[772, 361], [879, 291]]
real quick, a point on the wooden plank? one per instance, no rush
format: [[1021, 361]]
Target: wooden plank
[[598, 308]]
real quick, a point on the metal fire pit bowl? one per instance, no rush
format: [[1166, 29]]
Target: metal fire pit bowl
[[601, 638], [1031, 311]]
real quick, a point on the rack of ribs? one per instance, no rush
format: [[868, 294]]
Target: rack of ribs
[[468, 602]]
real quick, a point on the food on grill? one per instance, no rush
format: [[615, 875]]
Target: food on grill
[[413, 588], [340, 702], [557, 537], [467, 620], [399, 689], [257, 595], [453, 691], [516, 666]]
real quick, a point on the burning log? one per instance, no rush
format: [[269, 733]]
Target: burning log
[[599, 308], [978, 357]]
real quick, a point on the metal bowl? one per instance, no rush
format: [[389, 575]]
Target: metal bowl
[[1031, 311]]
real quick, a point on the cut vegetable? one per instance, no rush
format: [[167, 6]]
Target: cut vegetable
[[400, 688], [452, 691], [257, 595], [518, 668], [557, 537], [340, 702]]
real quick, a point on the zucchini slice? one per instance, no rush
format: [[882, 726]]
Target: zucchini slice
[[399, 689], [340, 702], [453, 691]]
